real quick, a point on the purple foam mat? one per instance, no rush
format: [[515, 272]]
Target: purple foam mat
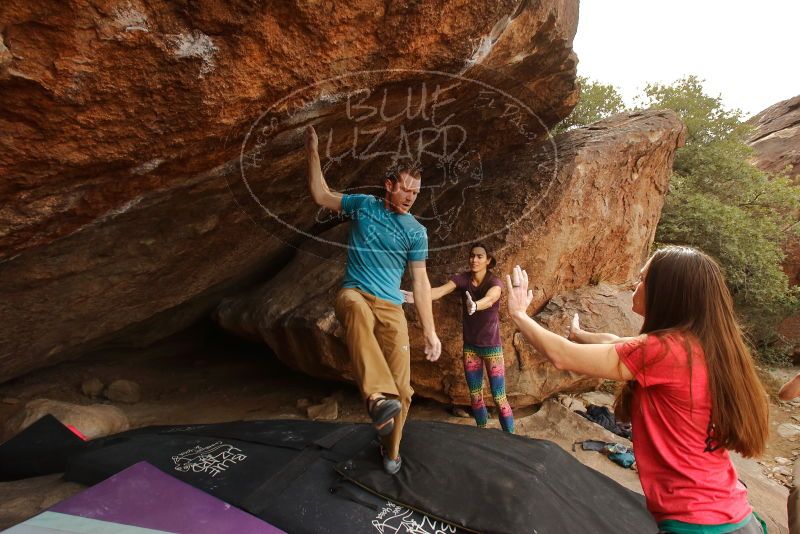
[[145, 496]]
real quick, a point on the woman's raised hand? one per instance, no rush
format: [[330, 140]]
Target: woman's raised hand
[[312, 142], [574, 328], [472, 307], [519, 296]]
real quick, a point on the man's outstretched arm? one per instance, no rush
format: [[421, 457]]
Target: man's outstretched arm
[[320, 191]]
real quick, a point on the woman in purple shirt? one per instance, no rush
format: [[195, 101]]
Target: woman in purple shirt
[[480, 293]]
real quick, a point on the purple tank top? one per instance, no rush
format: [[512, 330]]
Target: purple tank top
[[482, 328]]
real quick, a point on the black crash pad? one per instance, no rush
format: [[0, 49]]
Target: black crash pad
[[282, 470], [40, 449], [313, 477], [491, 481]]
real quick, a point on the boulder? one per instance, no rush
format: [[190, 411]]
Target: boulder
[[135, 157], [776, 142], [94, 421], [602, 308], [598, 398], [126, 391], [588, 216], [570, 403], [776, 139]]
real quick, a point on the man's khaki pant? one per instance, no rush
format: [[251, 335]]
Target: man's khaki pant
[[794, 501], [376, 334]]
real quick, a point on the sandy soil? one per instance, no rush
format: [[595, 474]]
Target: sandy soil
[[779, 448]]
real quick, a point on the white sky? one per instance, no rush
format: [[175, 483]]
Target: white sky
[[747, 52]]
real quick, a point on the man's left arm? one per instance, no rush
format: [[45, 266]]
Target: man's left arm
[[423, 303]]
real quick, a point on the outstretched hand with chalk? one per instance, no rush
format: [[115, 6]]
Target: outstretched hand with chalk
[[472, 307], [574, 328], [519, 296], [312, 142]]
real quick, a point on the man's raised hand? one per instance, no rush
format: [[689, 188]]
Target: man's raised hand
[[312, 143]]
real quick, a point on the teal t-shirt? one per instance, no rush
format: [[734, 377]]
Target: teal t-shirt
[[380, 245]]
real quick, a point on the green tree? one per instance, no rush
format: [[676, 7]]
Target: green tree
[[705, 116], [597, 101], [718, 201]]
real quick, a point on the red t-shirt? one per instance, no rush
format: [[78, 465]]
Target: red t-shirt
[[670, 422]]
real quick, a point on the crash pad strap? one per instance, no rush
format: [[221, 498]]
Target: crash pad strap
[[261, 498], [330, 440]]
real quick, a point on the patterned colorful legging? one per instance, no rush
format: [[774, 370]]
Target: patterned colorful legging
[[474, 360]]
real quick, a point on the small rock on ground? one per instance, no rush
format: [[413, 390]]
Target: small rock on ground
[[92, 387], [327, 411], [126, 391], [788, 430]]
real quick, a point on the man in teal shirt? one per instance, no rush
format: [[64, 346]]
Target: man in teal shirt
[[384, 238]]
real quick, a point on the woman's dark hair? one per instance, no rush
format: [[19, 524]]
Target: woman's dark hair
[[481, 290], [685, 292]]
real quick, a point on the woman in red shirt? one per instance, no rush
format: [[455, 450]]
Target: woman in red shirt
[[691, 390]]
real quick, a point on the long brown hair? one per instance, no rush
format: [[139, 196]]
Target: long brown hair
[[685, 292]]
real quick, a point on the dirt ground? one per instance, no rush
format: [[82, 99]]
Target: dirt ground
[[207, 379], [780, 448]]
